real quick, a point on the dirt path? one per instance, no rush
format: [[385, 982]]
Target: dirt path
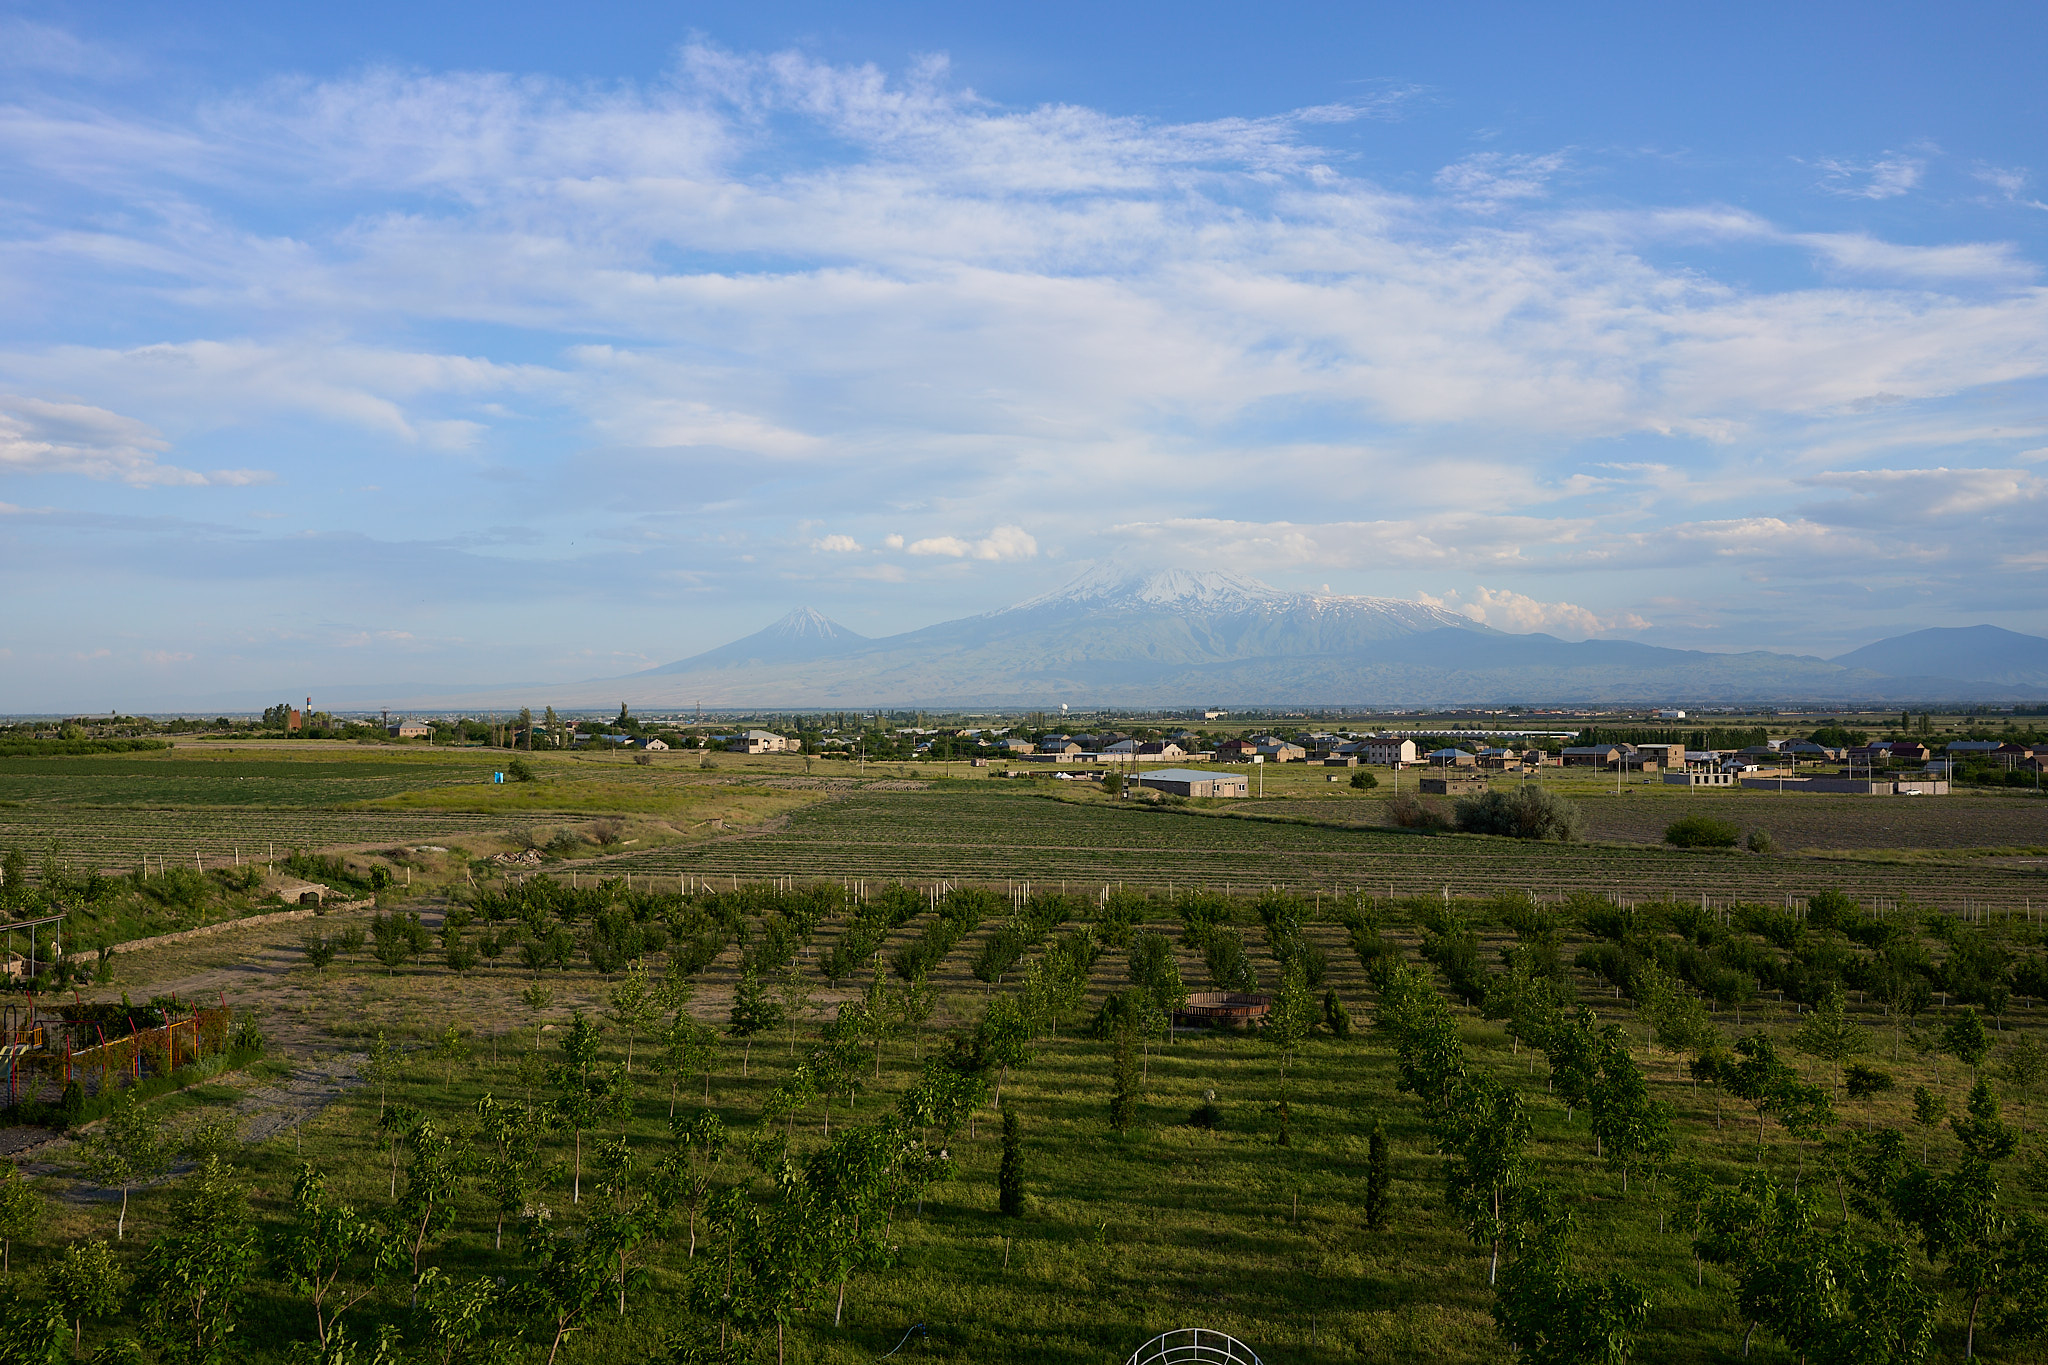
[[261, 968], [261, 1113]]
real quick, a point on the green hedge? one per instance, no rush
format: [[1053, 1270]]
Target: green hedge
[[59, 748]]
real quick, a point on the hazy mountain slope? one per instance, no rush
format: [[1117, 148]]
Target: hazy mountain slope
[[1185, 637], [802, 635], [1988, 654]]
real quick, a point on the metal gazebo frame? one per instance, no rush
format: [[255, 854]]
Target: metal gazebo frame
[[30, 926], [1193, 1346]]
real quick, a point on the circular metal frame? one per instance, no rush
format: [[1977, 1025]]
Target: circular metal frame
[[1193, 1346]]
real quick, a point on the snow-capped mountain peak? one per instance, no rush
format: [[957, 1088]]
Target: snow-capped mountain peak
[[1113, 585], [807, 624], [1218, 592]]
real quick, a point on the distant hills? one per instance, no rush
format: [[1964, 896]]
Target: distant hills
[[802, 635], [1978, 654], [1186, 637]]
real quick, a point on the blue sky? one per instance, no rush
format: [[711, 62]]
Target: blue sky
[[515, 342]]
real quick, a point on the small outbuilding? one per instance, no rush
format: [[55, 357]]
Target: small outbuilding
[[1193, 782]]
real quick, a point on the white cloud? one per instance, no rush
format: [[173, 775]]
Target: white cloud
[[217, 384], [1003, 543], [1962, 261], [1488, 179], [1512, 611], [40, 437], [1887, 177], [772, 282], [836, 545], [26, 45]]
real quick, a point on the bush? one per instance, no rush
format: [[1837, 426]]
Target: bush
[[1336, 1018], [1865, 1081], [1701, 831], [1364, 781], [1760, 841], [521, 771], [1408, 812], [1524, 813], [243, 878]]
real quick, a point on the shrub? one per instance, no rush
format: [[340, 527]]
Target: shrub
[[521, 771], [1865, 1081], [1364, 781], [1123, 1102], [1336, 1018], [1760, 841], [244, 878], [1408, 812], [1524, 813], [1010, 1176], [1379, 1177], [1701, 831]]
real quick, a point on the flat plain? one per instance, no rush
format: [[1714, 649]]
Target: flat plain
[[1124, 1233]]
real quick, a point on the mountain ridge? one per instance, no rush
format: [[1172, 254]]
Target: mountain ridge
[[1980, 653], [1178, 637]]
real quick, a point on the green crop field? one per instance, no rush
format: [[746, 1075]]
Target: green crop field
[[1122, 1234], [978, 834], [117, 838], [230, 778]]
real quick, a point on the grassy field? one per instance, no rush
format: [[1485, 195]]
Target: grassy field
[[1012, 832], [324, 776], [1125, 1234], [233, 804]]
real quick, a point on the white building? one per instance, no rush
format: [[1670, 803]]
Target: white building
[[1390, 749]]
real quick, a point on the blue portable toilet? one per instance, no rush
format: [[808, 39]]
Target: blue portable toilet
[[497, 777]]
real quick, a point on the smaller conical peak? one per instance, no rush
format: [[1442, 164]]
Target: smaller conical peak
[[807, 624]]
